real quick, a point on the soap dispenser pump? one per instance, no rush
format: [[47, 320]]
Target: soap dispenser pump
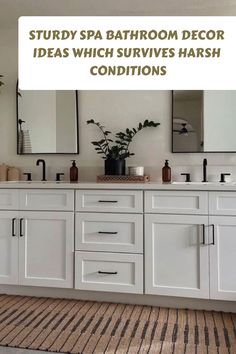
[[166, 173], [74, 173]]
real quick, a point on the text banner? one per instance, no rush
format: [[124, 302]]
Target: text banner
[[127, 53]]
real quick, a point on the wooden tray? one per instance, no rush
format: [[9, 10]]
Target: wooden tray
[[122, 179]]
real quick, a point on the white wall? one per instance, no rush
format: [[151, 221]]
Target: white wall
[[117, 110]]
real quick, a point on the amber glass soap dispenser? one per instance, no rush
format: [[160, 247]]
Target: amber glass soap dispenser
[[166, 173], [74, 173]]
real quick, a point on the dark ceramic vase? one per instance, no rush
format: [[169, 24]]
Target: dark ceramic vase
[[115, 167]]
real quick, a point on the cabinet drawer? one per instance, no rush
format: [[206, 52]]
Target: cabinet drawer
[[9, 199], [46, 199], [109, 201], [109, 232], [176, 202], [109, 272], [222, 203]]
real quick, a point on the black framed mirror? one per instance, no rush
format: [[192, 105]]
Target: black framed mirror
[[47, 122], [203, 121]]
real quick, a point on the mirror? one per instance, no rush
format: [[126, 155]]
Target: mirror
[[47, 122], [203, 121]]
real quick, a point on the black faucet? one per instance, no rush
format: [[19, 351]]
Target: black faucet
[[44, 168], [204, 170]]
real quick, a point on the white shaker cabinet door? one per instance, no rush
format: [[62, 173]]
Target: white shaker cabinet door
[[8, 248], [176, 255], [46, 246], [222, 241]]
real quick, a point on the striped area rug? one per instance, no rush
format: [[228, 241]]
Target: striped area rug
[[72, 326]]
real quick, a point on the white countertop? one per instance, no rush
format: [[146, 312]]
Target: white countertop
[[198, 186]]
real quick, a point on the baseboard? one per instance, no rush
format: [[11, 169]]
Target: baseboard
[[153, 300]]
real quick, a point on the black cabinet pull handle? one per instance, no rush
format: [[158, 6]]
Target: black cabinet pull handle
[[100, 272], [203, 234], [21, 227], [213, 234], [13, 221], [108, 232], [108, 201]]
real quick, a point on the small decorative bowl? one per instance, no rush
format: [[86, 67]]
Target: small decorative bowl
[[136, 170]]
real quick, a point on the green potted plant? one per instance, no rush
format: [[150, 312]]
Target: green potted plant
[[116, 150]]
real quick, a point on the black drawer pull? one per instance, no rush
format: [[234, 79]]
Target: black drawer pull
[[13, 233], [113, 273], [108, 232], [213, 234], [203, 234], [21, 227], [108, 201]]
